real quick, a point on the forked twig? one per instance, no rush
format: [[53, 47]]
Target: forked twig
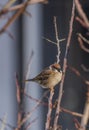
[[61, 40], [64, 67]]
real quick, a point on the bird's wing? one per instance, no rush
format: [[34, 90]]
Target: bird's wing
[[44, 75]]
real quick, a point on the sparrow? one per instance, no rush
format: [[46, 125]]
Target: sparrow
[[49, 77]]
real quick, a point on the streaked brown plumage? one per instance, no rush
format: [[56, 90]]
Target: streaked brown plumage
[[49, 77]]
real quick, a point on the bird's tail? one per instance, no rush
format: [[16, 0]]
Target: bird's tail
[[28, 80]]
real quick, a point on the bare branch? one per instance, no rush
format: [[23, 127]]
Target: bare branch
[[3, 125], [82, 46], [49, 110], [64, 66], [58, 41], [85, 117], [8, 4], [28, 115], [81, 22], [30, 124], [72, 113], [84, 68], [61, 40], [83, 38], [81, 13], [7, 124], [17, 7], [18, 13], [36, 100], [78, 74]]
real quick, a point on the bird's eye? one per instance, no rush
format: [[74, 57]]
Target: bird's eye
[[59, 70]]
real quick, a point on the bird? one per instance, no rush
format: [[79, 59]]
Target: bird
[[49, 77]]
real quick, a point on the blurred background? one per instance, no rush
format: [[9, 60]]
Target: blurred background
[[15, 55]]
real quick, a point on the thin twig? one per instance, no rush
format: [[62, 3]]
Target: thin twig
[[54, 106], [28, 115], [49, 40], [30, 124], [81, 13], [81, 22], [17, 7], [14, 17], [78, 74], [83, 38], [82, 45], [64, 67], [34, 99], [18, 13], [85, 117], [27, 72], [7, 124], [84, 68], [19, 100], [57, 40], [3, 125], [77, 124], [61, 40], [71, 112], [8, 4], [49, 110]]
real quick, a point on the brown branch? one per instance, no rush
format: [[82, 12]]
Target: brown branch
[[49, 110], [34, 99], [83, 38], [14, 17], [18, 90], [85, 117], [78, 74], [72, 113], [19, 100], [17, 7], [30, 124], [84, 68], [8, 4], [28, 115], [81, 22], [74, 70], [77, 124], [64, 67], [22, 8], [82, 45], [81, 13], [54, 106], [26, 75]]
